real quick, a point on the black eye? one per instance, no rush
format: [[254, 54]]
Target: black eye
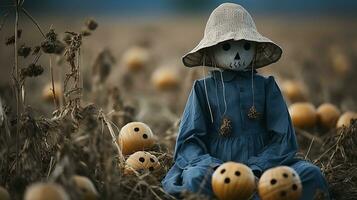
[[246, 46], [226, 46]]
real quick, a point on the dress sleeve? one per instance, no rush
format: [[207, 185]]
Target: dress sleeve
[[193, 126], [282, 147]]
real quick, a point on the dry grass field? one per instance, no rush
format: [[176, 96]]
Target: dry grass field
[[57, 140]]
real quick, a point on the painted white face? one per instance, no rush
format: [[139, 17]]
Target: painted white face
[[234, 55]]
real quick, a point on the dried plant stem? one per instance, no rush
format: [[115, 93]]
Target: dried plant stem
[[33, 20], [53, 85], [329, 149], [16, 82], [50, 167], [59, 78], [23, 94], [111, 131], [308, 151], [77, 77], [309, 135]]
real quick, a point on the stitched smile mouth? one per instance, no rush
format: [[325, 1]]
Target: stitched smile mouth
[[237, 64]]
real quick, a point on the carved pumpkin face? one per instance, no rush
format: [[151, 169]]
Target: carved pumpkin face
[[233, 181], [234, 55], [135, 136], [86, 187], [280, 183], [141, 161]]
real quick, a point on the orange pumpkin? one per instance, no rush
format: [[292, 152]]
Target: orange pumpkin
[[294, 91], [4, 194], [345, 119], [141, 161], [136, 58], [45, 191], [280, 183], [165, 78], [135, 136], [303, 115], [341, 63], [327, 115], [86, 187], [233, 181]]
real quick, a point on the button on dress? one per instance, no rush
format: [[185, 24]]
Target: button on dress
[[262, 143]]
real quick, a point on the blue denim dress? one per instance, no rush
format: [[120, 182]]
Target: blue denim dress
[[261, 143]]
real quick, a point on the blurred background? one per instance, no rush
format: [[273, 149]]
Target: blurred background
[[138, 45]]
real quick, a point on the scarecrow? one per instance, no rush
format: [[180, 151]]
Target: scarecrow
[[235, 114]]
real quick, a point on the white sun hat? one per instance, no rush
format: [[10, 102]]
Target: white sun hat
[[231, 21]]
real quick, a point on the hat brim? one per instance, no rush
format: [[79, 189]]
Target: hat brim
[[267, 51]]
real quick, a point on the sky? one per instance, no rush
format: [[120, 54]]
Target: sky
[[184, 7]]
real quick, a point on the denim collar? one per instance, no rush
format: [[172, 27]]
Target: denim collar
[[229, 75]]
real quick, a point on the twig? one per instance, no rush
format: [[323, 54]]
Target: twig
[[329, 149], [111, 131], [38, 55], [53, 85], [33, 20], [309, 135], [308, 151], [160, 188], [50, 167], [22, 2], [16, 83]]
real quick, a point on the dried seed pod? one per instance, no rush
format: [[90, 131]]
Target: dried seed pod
[[91, 24], [233, 181], [24, 50], [280, 183], [135, 136], [294, 91], [86, 187], [165, 78], [32, 70], [328, 115], [345, 119], [51, 35], [36, 50], [141, 161], [4, 194], [47, 93], [136, 58], [226, 127], [55, 47], [303, 115], [11, 40], [51, 44], [45, 191]]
